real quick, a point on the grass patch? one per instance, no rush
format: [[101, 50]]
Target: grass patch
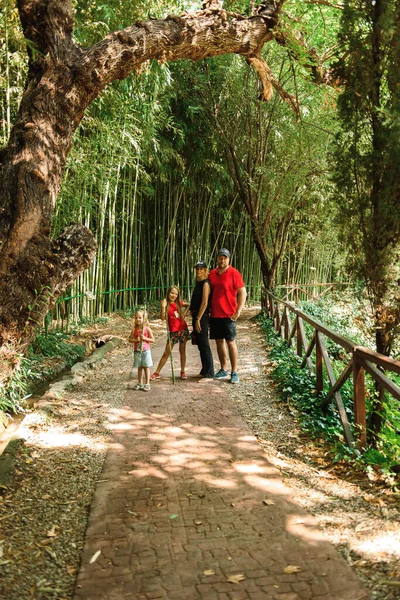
[[40, 365]]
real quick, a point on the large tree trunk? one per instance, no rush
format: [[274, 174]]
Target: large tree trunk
[[63, 80]]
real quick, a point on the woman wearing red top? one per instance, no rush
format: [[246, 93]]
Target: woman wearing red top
[[171, 309]]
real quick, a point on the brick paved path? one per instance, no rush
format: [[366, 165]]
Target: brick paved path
[[187, 500]]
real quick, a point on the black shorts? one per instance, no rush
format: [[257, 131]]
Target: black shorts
[[222, 329]]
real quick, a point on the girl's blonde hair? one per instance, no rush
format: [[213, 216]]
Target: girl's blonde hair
[[145, 315], [178, 299]]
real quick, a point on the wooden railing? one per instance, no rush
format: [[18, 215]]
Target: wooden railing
[[289, 323], [313, 291]]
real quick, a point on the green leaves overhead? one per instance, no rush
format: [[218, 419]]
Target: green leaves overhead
[[367, 154]]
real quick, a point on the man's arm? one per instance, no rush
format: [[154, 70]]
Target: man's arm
[[241, 299]]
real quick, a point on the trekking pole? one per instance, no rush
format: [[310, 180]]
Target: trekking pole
[[170, 351]]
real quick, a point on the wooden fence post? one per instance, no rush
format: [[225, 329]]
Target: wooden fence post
[[360, 417], [277, 318], [299, 341], [286, 323], [318, 363]]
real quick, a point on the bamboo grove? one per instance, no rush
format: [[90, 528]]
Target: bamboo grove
[[170, 165]]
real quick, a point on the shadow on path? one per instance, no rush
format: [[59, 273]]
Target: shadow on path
[[188, 507]]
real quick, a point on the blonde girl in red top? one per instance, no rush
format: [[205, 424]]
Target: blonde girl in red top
[[172, 310], [141, 337]]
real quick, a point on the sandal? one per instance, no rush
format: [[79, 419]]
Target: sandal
[[155, 376], [183, 375], [138, 386], [146, 387]]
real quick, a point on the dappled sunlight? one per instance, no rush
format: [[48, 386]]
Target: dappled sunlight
[[209, 453], [121, 426], [379, 544], [245, 446], [202, 430], [303, 526], [217, 482], [56, 438], [187, 470], [148, 471], [274, 486], [117, 446], [250, 468], [192, 442]]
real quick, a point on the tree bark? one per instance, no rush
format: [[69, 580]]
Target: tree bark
[[63, 79]]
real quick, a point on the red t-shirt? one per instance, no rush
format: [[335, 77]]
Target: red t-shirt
[[224, 289], [174, 322]]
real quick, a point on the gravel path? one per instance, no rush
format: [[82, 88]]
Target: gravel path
[[43, 512]]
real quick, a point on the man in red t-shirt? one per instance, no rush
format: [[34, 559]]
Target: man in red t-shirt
[[228, 295]]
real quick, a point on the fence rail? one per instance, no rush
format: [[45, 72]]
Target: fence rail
[[313, 291], [289, 323]]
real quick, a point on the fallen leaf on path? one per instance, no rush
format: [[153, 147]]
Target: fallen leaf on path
[[363, 526], [209, 572], [51, 553], [173, 516], [53, 531], [292, 569], [95, 557], [269, 502], [47, 542], [236, 578], [374, 500]]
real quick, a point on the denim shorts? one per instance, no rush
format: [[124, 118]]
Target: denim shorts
[[222, 329], [142, 359]]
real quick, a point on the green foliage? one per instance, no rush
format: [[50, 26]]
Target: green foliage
[[367, 155], [298, 391], [82, 321], [94, 20], [30, 371], [345, 313], [13, 66], [55, 344]]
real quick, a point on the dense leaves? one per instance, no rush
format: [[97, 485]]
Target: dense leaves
[[367, 155], [298, 391]]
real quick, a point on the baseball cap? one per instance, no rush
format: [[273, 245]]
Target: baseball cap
[[224, 252], [200, 264]]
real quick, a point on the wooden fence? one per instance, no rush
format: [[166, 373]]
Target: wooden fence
[[305, 291], [289, 323]]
